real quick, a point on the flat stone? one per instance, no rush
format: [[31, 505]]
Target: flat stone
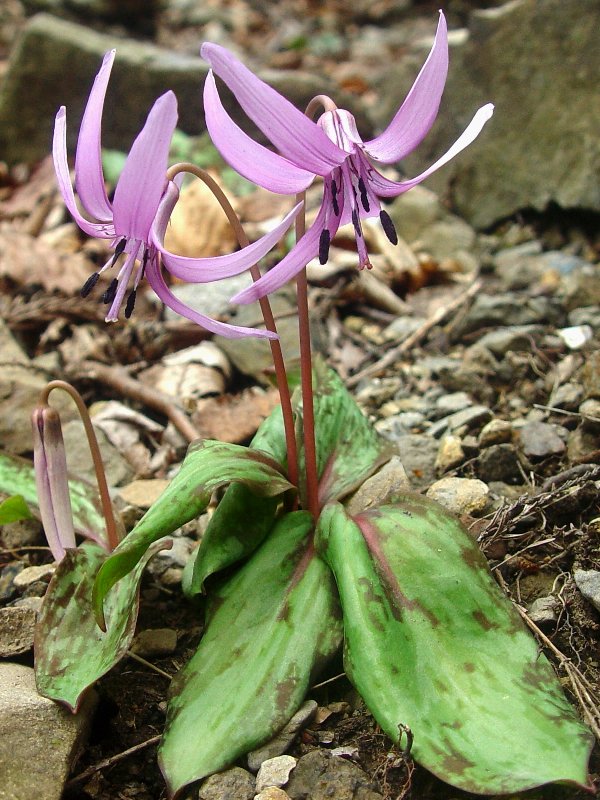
[[469, 418], [155, 642], [567, 395], [496, 431], [39, 739], [17, 626], [451, 403], [460, 495], [79, 461], [541, 440], [380, 488], [321, 776], [33, 574], [232, 783], [275, 772], [280, 743], [588, 583], [515, 338]]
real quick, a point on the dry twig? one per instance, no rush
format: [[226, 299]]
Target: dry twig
[[118, 379], [420, 333]]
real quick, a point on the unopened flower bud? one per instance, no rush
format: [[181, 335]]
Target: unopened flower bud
[[50, 466]]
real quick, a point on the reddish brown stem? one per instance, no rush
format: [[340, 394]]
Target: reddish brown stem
[[112, 537], [308, 411], [265, 307]]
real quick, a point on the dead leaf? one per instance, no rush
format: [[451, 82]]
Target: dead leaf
[[234, 418], [198, 226], [26, 260]]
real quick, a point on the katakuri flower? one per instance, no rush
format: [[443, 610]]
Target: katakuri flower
[[142, 189], [330, 147]]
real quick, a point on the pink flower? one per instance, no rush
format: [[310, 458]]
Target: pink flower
[[330, 147], [142, 197]]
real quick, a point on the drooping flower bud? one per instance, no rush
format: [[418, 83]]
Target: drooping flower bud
[[50, 464]]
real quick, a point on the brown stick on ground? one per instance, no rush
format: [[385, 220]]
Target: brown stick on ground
[[405, 346], [118, 379]]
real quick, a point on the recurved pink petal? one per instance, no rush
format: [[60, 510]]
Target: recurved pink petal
[[387, 188], [296, 136], [306, 249], [89, 178], [157, 282], [417, 113], [206, 270], [250, 159], [104, 230], [143, 181]]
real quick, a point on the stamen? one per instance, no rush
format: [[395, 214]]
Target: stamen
[[334, 199], [118, 251], [356, 223], [89, 284], [364, 197], [145, 258], [109, 294], [388, 226], [324, 242], [130, 304]]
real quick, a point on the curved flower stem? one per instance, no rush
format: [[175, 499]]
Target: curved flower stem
[[265, 307], [112, 536]]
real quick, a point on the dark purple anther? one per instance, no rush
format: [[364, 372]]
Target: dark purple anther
[[324, 242], [388, 226]]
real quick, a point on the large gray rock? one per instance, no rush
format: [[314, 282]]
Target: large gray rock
[[54, 64], [538, 61], [39, 740]]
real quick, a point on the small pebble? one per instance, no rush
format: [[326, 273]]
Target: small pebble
[[576, 336], [499, 463], [32, 574], [588, 583], [450, 453], [543, 610], [460, 495], [275, 772], [235, 783], [541, 440], [272, 793]]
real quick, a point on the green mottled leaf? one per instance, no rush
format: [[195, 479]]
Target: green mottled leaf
[[431, 642], [71, 652], [349, 450], [14, 509], [271, 628], [270, 437], [17, 477], [208, 465], [239, 524]]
